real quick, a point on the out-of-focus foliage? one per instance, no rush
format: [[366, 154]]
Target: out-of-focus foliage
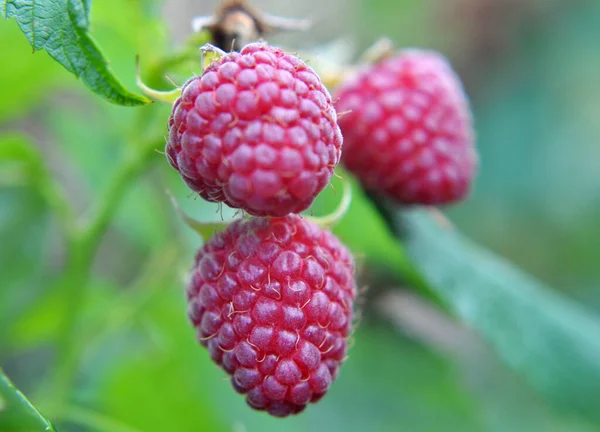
[[523, 320], [71, 46], [140, 368]]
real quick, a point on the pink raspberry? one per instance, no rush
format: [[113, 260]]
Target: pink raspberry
[[272, 300], [257, 131], [408, 130]]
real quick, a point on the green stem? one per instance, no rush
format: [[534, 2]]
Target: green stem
[[83, 240], [82, 246], [57, 200], [131, 167], [11, 399]]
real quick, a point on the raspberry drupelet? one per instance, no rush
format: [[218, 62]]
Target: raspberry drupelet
[[256, 131], [272, 300]]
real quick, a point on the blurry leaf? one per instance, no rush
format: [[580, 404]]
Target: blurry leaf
[[17, 152], [78, 122], [536, 112], [19, 208], [40, 323], [23, 232], [405, 21], [29, 77], [158, 383], [61, 29], [28, 168], [143, 215], [15, 147], [138, 29], [546, 337], [17, 414], [23, 254], [120, 308]]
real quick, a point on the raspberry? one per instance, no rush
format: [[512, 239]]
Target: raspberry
[[272, 300], [257, 131], [408, 133]]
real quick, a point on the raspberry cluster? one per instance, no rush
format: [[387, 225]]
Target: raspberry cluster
[[272, 296]]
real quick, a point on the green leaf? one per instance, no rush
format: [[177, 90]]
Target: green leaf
[[61, 29], [80, 11], [16, 412], [552, 341]]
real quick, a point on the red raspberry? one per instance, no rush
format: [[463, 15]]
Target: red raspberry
[[408, 132], [272, 300], [257, 131]]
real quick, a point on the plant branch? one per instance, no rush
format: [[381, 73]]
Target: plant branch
[[82, 245], [56, 198]]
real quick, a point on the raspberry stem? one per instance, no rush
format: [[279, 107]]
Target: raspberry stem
[[382, 48], [164, 96], [57, 200], [332, 219], [207, 54]]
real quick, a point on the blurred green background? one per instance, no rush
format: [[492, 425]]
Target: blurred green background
[[531, 68]]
